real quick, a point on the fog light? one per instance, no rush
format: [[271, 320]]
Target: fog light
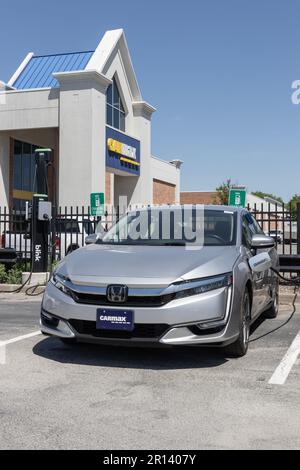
[[205, 326], [48, 319]]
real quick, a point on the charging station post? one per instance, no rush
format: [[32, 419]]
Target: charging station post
[[41, 212]]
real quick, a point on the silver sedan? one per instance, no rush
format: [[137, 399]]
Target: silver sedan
[[166, 276]]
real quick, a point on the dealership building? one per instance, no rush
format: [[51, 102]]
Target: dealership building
[[88, 108]]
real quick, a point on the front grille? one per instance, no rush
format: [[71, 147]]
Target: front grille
[[132, 301], [141, 330]]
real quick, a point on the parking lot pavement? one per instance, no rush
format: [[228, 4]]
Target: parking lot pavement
[[87, 396]]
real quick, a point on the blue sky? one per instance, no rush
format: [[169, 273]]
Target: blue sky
[[218, 71]]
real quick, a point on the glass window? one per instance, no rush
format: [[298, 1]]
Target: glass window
[[122, 122], [109, 94], [23, 166], [26, 175], [17, 170], [116, 120], [164, 227], [17, 147], [115, 113], [256, 226], [246, 232], [109, 118], [116, 96]]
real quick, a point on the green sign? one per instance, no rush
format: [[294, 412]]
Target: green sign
[[97, 204], [237, 197]]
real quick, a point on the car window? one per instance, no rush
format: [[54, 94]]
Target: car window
[[174, 226], [247, 232], [255, 225]]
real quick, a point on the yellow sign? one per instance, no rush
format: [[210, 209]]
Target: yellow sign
[[123, 159], [121, 149]]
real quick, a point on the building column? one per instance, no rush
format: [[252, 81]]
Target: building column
[[143, 191], [82, 107], [4, 169]]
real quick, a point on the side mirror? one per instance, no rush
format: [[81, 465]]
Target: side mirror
[[262, 241], [90, 239], [260, 262]]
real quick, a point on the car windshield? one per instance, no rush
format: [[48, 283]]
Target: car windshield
[[174, 227]]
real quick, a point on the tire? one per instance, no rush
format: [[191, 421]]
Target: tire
[[240, 347], [272, 311], [68, 341]]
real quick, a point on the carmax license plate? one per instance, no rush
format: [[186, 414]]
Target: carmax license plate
[[111, 319]]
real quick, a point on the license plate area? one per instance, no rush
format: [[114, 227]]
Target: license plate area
[[114, 319]]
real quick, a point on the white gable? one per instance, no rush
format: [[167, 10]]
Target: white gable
[[113, 43]]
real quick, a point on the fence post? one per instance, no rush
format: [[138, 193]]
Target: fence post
[[298, 228]]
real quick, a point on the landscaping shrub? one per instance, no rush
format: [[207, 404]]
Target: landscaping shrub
[[3, 274]]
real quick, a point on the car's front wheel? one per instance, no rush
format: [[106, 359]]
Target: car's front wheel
[[240, 346], [272, 311]]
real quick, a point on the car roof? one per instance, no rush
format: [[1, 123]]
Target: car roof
[[213, 207]]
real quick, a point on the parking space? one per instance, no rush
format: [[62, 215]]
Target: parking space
[[86, 396]]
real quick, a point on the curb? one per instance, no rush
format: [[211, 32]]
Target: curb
[[286, 299], [10, 288]]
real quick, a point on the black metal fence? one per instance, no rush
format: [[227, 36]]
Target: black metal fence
[[70, 226], [68, 229], [281, 223]]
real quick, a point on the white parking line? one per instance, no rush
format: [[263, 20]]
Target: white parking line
[[282, 371], [3, 344]]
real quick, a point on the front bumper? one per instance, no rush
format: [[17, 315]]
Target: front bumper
[[176, 323]]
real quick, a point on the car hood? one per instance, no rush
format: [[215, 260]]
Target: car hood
[[147, 266]]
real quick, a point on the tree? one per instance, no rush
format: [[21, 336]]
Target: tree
[[223, 192], [263, 195], [292, 205]]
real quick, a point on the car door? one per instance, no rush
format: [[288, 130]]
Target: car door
[[259, 294], [270, 279], [267, 275]]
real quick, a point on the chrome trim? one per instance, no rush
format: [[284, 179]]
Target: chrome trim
[[142, 292]]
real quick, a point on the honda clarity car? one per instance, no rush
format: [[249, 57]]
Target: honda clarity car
[[166, 276]]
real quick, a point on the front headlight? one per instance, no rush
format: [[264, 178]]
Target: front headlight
[[200, 286], [58, 280]]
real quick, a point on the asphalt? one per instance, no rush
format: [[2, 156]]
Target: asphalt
[[54, 396]]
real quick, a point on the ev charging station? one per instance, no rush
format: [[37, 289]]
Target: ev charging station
[[41, 212]]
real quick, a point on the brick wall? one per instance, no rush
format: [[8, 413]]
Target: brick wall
[[163, 193], [199, 197]]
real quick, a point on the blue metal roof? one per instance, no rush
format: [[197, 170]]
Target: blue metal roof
[[38, 72]]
